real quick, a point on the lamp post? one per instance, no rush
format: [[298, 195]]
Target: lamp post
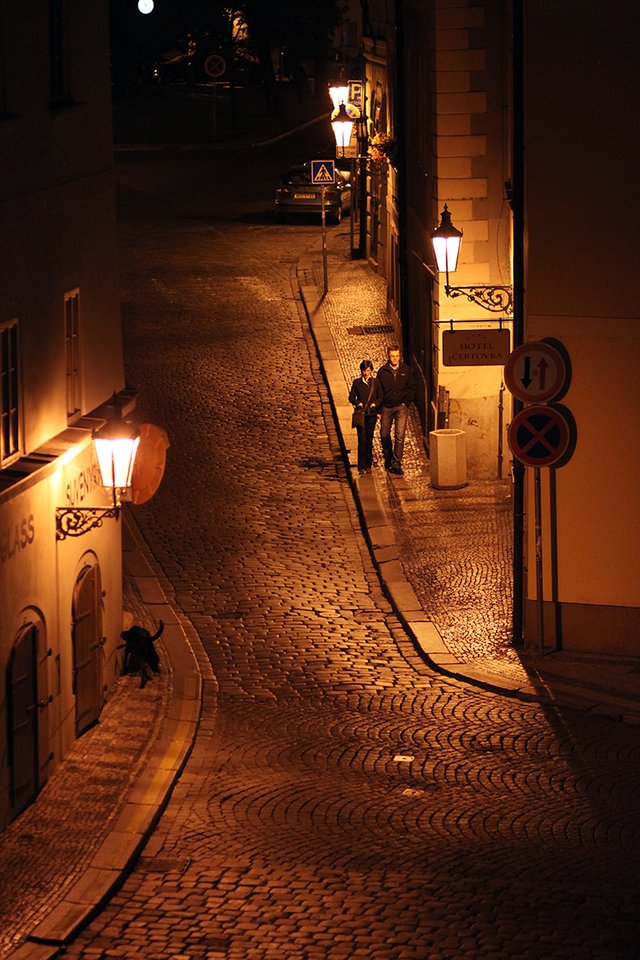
[[342, 121], [446, 241], [363, 149], [116, 445], [353, 98]]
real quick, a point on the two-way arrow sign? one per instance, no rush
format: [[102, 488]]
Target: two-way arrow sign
[[536, 372]]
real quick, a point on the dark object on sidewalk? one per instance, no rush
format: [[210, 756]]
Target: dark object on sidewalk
[[140, 655]]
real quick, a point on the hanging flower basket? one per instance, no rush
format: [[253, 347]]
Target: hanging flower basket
[[382, 148]]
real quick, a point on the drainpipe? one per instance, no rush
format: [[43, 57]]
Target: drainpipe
[[399, 131], [518, 306]]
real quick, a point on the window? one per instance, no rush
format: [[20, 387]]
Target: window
[[9, 392], [72, 350], [3, 94], [58, 91]]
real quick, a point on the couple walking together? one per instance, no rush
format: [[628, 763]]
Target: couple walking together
[[389, 395]]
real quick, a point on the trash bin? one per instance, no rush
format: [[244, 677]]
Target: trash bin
[[448, 454]]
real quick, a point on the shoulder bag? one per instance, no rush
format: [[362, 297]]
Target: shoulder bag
[[357, 418]]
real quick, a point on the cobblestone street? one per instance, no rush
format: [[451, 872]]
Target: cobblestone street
[[342, 800], [437, 529]]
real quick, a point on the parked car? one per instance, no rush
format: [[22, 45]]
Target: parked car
[[298, 195]]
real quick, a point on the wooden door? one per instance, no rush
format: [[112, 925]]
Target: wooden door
[[22, 699], [87, 649]]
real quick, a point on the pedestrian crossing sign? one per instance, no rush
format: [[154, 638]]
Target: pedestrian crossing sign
[[323, 171]]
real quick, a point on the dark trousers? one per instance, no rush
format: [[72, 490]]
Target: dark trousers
[[365, 442], [396, 416]]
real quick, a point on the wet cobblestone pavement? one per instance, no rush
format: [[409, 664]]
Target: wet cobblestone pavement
[[455, 545], [342, 799]]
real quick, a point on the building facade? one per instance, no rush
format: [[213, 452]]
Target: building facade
[[580, 188], [490, 100], [61, 365]]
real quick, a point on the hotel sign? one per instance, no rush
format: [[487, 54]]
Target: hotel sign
[[475, 348]]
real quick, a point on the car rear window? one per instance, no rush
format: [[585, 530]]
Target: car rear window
[[297, 176]]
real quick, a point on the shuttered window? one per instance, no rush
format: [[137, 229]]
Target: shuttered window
[[72, 350], [9, 392]]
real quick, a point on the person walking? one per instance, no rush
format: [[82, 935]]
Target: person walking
[[365, 395], [398, 393]]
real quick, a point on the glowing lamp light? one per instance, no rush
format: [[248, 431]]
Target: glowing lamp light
[[342, 125], [446, 241], [145, 6], [338, 95], [116, 445]]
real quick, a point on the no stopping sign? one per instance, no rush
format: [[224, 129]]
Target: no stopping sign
[[214, 66], [542, 435]]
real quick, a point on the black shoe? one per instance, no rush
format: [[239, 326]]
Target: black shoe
[[398, 471]]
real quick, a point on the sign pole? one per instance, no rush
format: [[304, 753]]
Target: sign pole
[[540, 435], [352, 209], [214, 67], [322, 173], [324, 243], [539, 583]]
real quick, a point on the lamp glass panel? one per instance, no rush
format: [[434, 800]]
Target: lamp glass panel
[[338, 95], [116, 458], [446, 250], [342, 132]]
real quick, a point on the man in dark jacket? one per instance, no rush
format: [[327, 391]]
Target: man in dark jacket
[[398, 393]]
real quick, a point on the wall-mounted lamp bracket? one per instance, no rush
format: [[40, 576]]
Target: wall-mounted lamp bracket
[[76, 521], [493, 298], [446, 241]]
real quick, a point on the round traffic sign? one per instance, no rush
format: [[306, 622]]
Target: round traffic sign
[[214, 65], [542, 435], [536, 372]]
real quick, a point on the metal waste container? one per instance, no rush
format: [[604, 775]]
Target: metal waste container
[[448, 455]]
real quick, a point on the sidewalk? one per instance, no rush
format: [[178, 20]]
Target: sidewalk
[[444, 556], [65, 856]]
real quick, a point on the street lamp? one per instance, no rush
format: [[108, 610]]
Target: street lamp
[[446, 241], [116, 445], [342, 120], [355, 112], [338, 94]]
